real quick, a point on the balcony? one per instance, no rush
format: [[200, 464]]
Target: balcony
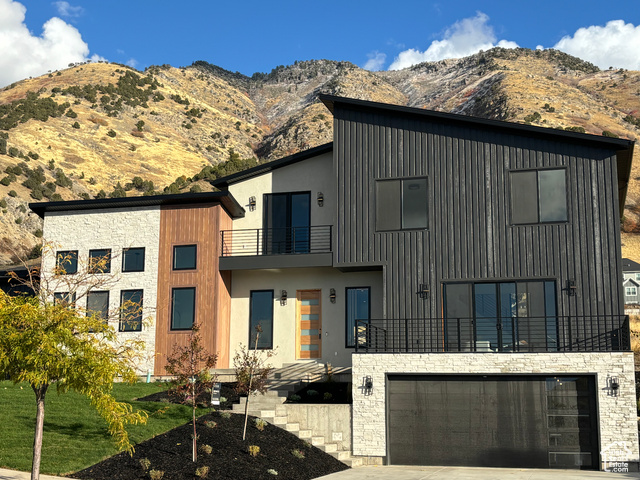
[[276, 248], [601, 333]]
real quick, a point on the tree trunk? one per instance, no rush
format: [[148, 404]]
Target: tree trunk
[[194, 445], [246, 405], [40, 392]]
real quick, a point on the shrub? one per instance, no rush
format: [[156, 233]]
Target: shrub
[[271, 471], [19, 220], [195, 189], [253, 450], [206, 449], [111, 133], [294, 398], [12, 193], [75, 125], [3, 204], [156, 474], [52, 164], [312, 393], [6, 181], [71, 114], [260, 424], [328, 396], [225, 414], [297, 453], [210, 424], [575, 129], [38, 233], [145, 463], [607, 133], [202, 472], [32, 155], [534, 117]]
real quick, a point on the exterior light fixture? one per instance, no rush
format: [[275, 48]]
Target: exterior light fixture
[[367, 385], [332, 295], [283, 297], [423, 291], [571, 288], [252, 204], [320, 199], [613, 385]]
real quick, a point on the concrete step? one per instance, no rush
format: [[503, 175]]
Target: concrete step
[[305, 434], [292, 427], [267, 413], [280, 420], [353, 462], [340, 455], [328, 447], [317, 440]]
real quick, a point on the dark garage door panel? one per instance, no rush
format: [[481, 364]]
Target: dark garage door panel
[[494, 421]]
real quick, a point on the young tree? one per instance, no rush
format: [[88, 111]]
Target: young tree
[[252, 373], [191, 365], [46, 341]]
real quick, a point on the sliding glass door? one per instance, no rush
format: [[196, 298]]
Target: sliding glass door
[[287, 219]]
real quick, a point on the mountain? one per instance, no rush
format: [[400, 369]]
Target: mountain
[[99, 129]]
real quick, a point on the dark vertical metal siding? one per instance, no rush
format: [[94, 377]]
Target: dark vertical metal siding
[[469, 234]]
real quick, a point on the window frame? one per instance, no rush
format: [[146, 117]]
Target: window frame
[[537, 171], [346, 316], [95, 271], [73, 257], [252, 327], [635, 290], [58, 298], [172, 311], [124, 256], [121, 325], [103, 315], [401, 203], [195, 257]]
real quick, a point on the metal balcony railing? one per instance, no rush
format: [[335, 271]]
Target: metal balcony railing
[[276, 241], [597, 333]]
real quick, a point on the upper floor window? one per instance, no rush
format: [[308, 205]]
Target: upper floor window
[[638, 276], [66, 262], [184, 257], [538, 196], [287, 218], [64, 298], [401, 204], [631, 291], [133, 259], [358, 308], [100, 260], [131, 310]]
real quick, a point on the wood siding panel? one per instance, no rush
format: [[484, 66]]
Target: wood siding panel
[[469, 235], [199, 225]]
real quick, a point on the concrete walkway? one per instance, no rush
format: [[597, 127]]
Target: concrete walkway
[[467, 473], [16, 475]]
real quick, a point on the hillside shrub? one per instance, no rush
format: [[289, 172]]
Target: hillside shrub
[[111, 133]]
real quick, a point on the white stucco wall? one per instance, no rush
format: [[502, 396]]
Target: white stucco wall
[[115, 229], [617, 415], [284, 316]]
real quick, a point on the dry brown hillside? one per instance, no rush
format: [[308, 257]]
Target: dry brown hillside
[[99, 129]]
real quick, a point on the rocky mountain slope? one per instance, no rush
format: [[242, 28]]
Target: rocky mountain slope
[[104, 129]]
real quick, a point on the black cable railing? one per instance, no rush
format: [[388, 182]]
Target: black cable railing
[[276, 241], [595, 333]]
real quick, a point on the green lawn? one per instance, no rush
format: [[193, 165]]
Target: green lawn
[[75, 436]]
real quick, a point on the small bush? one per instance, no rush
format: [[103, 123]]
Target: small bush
[[312, 393], [225, 414], [607, 133], [76, 125], [206, 449], [3, 204], [12, 193], [260, 424], [295, 398], [112, 134], [145, 463], [38, 233], [253, 450], [297, 453], [202, 472], [71, 114], [156, 474], [210, 424], [19, 220], [327, 396]]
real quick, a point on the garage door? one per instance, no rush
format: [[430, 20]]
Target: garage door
[[493, 421]]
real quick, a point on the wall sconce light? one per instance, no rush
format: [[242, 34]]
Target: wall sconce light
[[613, 385], [252, 204], [571, 288], [368, 385], [423, 291], [332, 295], [283, 297], [320, 199]]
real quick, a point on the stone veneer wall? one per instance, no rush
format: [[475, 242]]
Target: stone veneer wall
[[115, 229], [617, 415]]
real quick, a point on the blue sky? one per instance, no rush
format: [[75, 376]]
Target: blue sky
[[256, 36]]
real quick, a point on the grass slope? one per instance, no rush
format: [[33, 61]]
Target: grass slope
[[75, 436]]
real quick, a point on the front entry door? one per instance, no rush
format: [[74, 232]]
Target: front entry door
[[308, 324]]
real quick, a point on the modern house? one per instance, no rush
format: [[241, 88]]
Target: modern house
[[467, 270], [631, 274]]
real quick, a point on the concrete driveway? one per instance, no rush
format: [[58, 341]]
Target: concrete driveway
[[466, 473]]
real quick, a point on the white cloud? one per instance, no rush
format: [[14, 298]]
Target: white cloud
[[615, 45], [65, 9], [376, 61], [463, 38], [24, 54], [132, 62]]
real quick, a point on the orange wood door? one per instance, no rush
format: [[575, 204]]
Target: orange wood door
[[309, 324]]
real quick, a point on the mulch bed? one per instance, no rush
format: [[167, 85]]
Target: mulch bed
[[323, 392], [229, 459], [227, 391]]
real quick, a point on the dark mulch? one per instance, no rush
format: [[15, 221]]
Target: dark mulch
[[323, 392], [171, 453], [227, 391]]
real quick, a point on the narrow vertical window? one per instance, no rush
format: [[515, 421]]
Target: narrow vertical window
[[183, 308], [358, 308], [261, 313], [131, 310]]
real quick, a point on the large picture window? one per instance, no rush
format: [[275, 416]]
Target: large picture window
[[358, 308], [501, 317], [538, 196], [183, 308], [66, 262], [261, 313], [401, 204], [131, 310], [133, 259]]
